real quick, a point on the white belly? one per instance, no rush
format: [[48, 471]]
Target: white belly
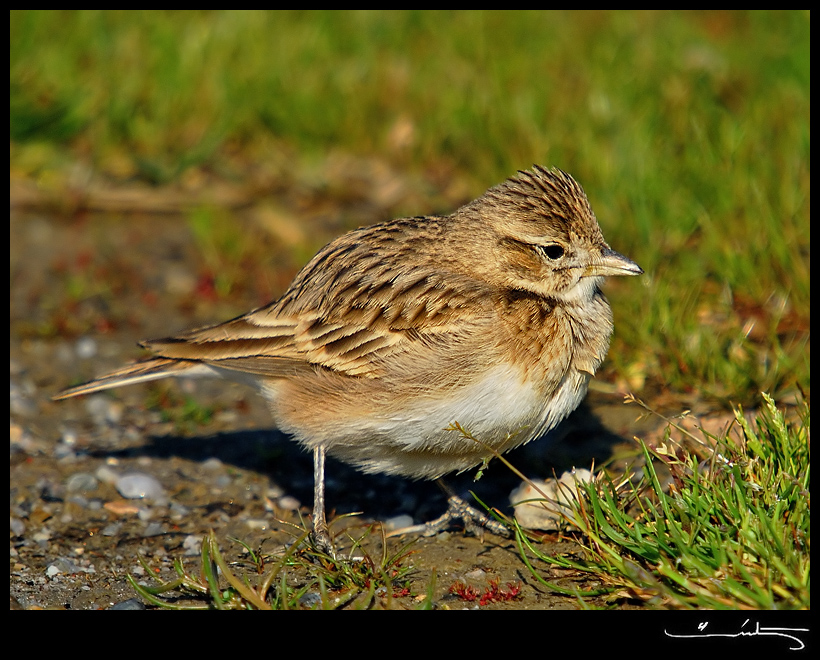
[[502, 411]]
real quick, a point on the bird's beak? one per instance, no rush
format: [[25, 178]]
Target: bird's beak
[[610, 263]]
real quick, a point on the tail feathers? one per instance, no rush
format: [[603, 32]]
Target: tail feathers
[[139, 372]]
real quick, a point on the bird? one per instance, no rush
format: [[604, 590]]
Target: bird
[[397, 337]]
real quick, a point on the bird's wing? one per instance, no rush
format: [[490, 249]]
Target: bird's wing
[[351, 331]]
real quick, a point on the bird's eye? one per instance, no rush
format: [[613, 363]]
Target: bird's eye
[[552, 251]]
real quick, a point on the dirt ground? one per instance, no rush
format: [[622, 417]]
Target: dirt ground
[[84, 289]]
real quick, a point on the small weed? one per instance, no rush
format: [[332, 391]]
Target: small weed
[[303, 577]]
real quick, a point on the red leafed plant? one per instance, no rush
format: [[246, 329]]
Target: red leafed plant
[[492, 594]]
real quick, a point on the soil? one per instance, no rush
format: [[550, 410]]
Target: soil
[[84, 288]]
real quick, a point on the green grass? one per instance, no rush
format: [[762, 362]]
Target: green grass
[[690, 132], [731, 531]]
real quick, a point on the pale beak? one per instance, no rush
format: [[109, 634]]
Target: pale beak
[[610, 264]]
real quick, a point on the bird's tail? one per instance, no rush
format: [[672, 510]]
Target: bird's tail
[[139, 372]]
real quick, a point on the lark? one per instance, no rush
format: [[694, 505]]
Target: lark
[[393, 335]]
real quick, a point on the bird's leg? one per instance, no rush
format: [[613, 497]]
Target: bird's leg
[[457, 509], [321, 534]]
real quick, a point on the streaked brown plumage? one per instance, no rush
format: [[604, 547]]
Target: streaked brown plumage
[[491, 317]]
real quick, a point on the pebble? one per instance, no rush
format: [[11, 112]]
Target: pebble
[[81, 482], [20, 401], [153, 529], [192, 545], [107, 475], [213, 464], [310, 599], [68, 437], [398, 522], [66, 565], [104, 410], [551, 510], [130, 604], [179, 511], [138, 485], [289, 503], [111, 529], [85, 348], [65, 453], [121, 507], [16, 526], [257, 523]]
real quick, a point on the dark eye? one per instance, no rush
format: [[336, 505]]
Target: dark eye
[[553, 251]]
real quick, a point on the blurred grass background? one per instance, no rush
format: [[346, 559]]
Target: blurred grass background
[[689, 131]]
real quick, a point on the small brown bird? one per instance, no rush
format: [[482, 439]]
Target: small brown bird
[[491, 317]]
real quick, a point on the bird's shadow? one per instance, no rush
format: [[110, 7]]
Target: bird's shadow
[[577, 442]]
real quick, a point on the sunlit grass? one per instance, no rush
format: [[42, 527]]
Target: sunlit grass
[[731, 530]]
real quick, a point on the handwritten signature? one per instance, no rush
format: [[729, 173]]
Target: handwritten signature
[[752, 632]]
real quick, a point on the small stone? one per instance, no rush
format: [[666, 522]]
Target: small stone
[[137, 485], [545, 505], [85, 348]]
